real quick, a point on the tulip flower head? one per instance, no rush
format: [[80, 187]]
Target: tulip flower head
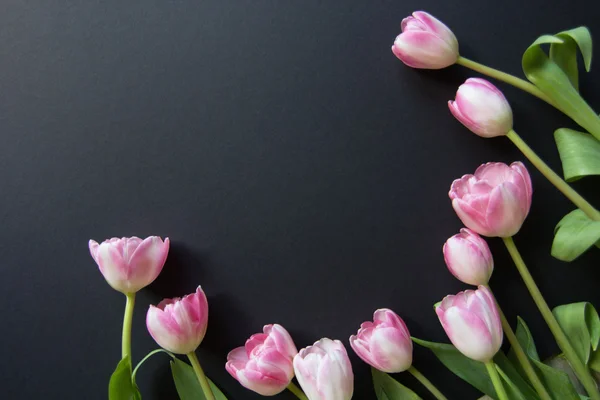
[[265, 363], [469, 258], [385, 343], [425, 42], [129, 264], [495, 200]]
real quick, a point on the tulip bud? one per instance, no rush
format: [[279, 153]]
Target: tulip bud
[[385, 343], [472, 323], [129, 264], [495, 200], [481, 107], [178, 325], [425, 42], [469, 258], [265, 363], [324, 371]]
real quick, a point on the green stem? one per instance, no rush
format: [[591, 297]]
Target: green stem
[[553, 177], [491, 368], [427, 383], [522, 357], [504, 77], [201, 377], [127, 320], [297, 391], [561, 339]]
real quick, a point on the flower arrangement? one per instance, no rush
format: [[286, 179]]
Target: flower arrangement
[[492, 202]]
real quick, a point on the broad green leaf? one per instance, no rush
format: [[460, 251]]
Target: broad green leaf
[[187, 385], [120, 386], [594, 362], [512, 390], [574, 234], [581, 324], [526, 340], [554, 82], [387, 388], [579, 153], [565, 54]]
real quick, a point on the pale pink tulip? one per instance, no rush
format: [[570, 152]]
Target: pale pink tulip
[[495, 200], [469, 258], [265, 363], [129, 264], [385, 343], [425, 42], [179, 325], [481, 107], [324, 371], [472, 323]]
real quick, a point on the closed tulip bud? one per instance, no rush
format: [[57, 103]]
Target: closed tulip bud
[[385, 343], [178, 325], [129, 264], [265, 363], [472, 323], [481, 107], [469, 258], [495, 200], [324, 371], [425, 42]]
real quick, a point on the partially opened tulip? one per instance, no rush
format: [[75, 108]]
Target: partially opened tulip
[[324, 371], [385, 343], [469, 258], [425, 42], [495, 200], [481, 107], [265, 363]]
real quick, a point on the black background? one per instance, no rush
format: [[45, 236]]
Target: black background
[[300, 170]]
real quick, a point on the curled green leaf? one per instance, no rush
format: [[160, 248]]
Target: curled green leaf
[[579, 153], [581, 324], [565, 54], [574, 234]]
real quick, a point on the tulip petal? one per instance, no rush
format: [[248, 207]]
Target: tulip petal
[[470, 217], [420, 49], [469, 334], [504, 214]]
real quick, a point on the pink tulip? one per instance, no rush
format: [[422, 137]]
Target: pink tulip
[[265, 363], [472, 323], [385, 343], [469, 258], [495, 200], [324, 371], [425, 42], [178, 325], [129, 264], [481, 107]]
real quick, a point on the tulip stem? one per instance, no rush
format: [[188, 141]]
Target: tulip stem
[[201, 376], [500, 392], [504, 77], [427, 383], [561, 339], [127, 322], [553, 177], [297, 391], [522, 357]]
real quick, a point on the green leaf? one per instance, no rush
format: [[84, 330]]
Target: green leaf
[[512, 390], [579, 153], [594, 362], [555, 83], [387, 388], [581, 324], [565, 54], [187, 385], [121, 386], [574, 234]]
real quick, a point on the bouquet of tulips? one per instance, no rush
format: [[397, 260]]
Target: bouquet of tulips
[[494, 201]]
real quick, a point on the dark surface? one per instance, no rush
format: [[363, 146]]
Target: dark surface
[[299, 168]]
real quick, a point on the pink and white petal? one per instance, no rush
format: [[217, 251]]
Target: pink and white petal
[[438, 27], [420, 49], [261, 384], [470, 217], [149, 258], [505, 214], [525, 183], [468, 334]]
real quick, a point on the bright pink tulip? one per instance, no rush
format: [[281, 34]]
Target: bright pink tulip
[[472, 323], [178, 325], [425, 42], [481, 107], [265, 363], [385, 343], [324, 371], [495, 200], [129, 264], [469, 258]]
